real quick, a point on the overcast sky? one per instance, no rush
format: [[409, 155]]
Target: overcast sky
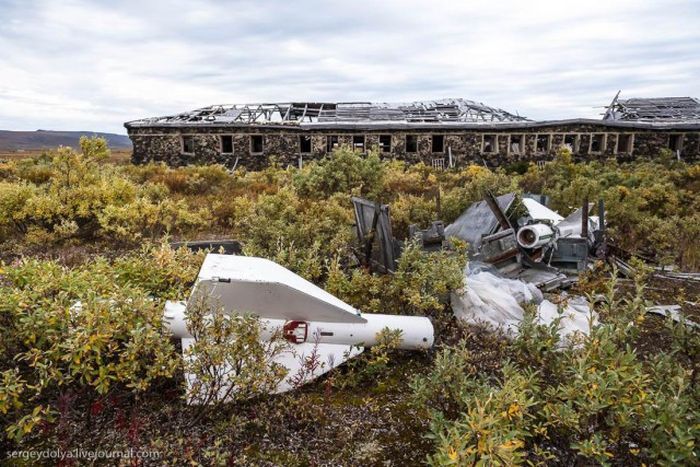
[[91, 65]]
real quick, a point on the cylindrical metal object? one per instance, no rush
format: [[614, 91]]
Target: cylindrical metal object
[[535, 235], [416, 331], [584, 218]]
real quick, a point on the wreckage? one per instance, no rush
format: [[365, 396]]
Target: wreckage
[[526, 240], [308, 318], [531, 242], [517, 250]]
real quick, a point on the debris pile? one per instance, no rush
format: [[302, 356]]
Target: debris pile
[[529, 241], [378, 247]]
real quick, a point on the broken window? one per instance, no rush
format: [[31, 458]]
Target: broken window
[[411, 143], [438, 143], [517, 144], [256, 144], [304, 144], [572, 142], [385, 143], [675, 142], [597, 142], [188, 144], [543, 143], [332, 143], [624, 143], [489, 144], [226, 144], [358, 143]]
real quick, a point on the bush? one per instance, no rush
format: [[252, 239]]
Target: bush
[[72, 330], [420, 286], [80, 198], [343, 171], [227, 360], [627, 394], [596, 402]]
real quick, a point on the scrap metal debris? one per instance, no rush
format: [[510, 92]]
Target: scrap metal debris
[[378, 247], [673, 312], [526, 240], [518, 249], [478, 221]]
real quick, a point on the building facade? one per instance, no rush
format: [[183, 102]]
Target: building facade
[[439, 133]]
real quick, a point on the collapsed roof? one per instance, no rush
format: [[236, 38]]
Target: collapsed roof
[[446, 110], [679, 109]]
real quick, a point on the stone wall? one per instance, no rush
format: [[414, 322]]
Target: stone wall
[[281, 144]]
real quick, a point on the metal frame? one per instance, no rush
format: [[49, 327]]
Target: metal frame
[[653, 109], [447, 110]]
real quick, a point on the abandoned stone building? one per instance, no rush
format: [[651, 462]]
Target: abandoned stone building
[[451, 132]]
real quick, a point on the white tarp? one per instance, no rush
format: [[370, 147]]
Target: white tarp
[[495, 300]]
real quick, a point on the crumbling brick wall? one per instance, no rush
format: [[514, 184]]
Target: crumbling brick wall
[[281, 144]]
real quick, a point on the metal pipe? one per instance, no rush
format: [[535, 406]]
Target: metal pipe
[[584, 218]]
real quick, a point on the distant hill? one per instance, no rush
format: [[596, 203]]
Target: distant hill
[[41, 139]]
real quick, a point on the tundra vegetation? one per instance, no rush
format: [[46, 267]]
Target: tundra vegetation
[[85, 362]]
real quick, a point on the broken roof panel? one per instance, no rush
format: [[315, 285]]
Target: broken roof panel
[[478, 220], [445, 110], [683, 109]]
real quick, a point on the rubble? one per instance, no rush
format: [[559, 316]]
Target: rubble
[[539, 247], [378, 247], [518, 249]]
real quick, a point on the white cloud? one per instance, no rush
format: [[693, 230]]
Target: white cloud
[[93, 65]]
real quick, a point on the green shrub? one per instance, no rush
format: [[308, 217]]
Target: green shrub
[[595, 402], [228, 361], [343, 171], [83, 198], [72, 328]]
